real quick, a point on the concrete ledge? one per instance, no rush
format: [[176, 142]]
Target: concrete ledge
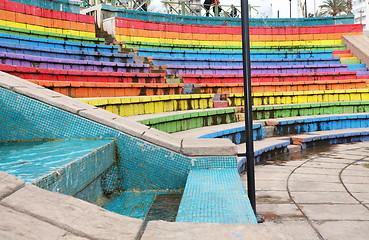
[[357, 134], [73, 215], [208, 147], [358, 44], [130, 127], [9, 81], [261, 147], [16, 225], [9, 184], [213, 231], [162, 139]]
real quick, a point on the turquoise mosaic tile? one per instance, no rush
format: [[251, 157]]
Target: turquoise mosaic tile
[[214, 162], [215, 196], [133, 204], [60, 166], [141, 170], [140, 164], [93, 191]]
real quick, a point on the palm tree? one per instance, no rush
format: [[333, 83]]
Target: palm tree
[[319, 14], [349, 7], [333, 7]]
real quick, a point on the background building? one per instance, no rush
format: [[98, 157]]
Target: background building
[[359, 9]]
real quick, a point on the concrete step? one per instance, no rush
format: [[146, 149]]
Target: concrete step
[[215, 196]]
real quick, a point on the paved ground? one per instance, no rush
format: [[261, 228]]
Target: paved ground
[[322, 196]]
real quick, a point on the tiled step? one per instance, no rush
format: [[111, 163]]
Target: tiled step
[[132, 204], [61, 166], [215, 195], [147, 205]]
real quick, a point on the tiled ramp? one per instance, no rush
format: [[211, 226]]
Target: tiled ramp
[[215, 196]]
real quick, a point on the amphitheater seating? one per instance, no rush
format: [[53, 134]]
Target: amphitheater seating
[[32, 73], [139, 44], [184, 120], [52, 22], [60, 5], [104, 53], [282, 77], [214, 70], [281, 127], [302, 97], [238, 61], [151, 52], [107, 89], [210, 35], [58, 44], [69, 64]]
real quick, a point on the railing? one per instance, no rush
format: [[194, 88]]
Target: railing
[[180, 7], [184, 8]]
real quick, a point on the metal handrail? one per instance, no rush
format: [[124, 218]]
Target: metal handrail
[[184, 8], [178, 8]]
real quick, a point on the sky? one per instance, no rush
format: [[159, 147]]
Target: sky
[[283, 6]]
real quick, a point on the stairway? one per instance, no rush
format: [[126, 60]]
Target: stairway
[[104, 34]]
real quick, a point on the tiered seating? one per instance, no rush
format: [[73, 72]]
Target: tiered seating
[[213, 36], [195, 52], [25, 60], [25, 19], [60, 5], [33, 73], [63, 47]]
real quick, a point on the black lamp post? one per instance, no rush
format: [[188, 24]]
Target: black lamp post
[[248, 103], [290, 10]]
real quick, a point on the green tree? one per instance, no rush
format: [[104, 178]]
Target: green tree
[[334, 7]]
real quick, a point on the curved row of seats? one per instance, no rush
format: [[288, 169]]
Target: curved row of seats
[[130, 29], [109, 89], [154, 104], [91, 52], [60, 5], [46, 21], [173, 122], [26, 60]]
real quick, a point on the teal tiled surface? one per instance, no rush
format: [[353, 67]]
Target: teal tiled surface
[[214, 162], [217, 196], [60, 166], [140, 164], [141, 168], [30, 160], [133, 204]]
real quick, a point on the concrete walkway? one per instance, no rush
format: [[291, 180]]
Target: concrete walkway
[[323, 196]]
